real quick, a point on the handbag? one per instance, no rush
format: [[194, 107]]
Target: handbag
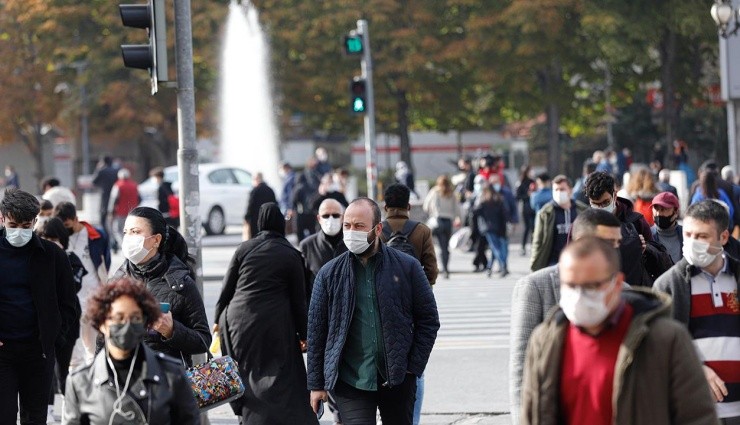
[[215, 382], [433, 223]]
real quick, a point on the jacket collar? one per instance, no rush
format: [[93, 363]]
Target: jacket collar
[[151, 370], [92, 232]]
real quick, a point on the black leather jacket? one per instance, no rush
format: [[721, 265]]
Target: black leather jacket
[[161, 394]]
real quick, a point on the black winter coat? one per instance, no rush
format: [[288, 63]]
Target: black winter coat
[[170, 281], [262, 316], [319, 248], [53, 293], [408, 314]]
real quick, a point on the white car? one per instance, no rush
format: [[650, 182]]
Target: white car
[[224, 192]]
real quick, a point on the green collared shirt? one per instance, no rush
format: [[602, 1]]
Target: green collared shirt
[[363, 356]]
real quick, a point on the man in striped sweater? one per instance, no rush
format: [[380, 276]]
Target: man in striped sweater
[[704, 286]]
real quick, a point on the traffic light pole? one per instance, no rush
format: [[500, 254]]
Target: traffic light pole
[[370, 145]]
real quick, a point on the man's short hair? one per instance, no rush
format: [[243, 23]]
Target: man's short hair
[[586, 222], [560, 178], [50, 181], [157, 172], [396, 196], [65, 211], [597, 184], [543, 177], [373, 205], [19, 205], [710, 211], [589, 245], [46, 205]]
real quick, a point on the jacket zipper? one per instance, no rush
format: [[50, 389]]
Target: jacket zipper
[[351, 315]]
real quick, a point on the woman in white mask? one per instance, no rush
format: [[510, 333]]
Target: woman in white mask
[[157, 255]]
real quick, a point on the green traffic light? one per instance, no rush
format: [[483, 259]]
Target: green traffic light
[[358, 104], [353, 44]]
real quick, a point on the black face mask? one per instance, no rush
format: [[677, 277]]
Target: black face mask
[[126, 336], [664, 222], [71, 231]]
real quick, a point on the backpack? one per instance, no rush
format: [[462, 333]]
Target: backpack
[[400, 240], [656, 259]]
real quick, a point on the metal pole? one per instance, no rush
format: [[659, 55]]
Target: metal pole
[[84, 133], [733, 120], [370, 145], [187, 153]]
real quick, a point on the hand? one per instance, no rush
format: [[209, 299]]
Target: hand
[[716, 385], [215, 328], [164, 325], [642, 242], [304, 345], [288, 214], [316, 397], [457, 222]]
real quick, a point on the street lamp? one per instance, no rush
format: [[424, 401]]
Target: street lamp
[[723, 12], [726, 14]]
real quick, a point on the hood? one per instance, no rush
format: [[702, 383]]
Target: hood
[[271, 219], [624, 207]]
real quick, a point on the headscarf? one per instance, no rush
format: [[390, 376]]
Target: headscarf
[[271, 219]]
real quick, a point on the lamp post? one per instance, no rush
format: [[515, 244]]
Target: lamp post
[[726, 15]]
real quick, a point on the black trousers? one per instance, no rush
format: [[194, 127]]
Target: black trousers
[[63, 355], [358, 407], [25, 377]]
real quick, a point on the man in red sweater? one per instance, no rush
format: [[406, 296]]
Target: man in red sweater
[[123, 198], [608, 355]]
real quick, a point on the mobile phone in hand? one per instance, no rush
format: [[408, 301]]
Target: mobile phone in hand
[[320, 410], [164, 307]]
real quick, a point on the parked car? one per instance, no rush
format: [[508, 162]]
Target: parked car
[[224, 192]]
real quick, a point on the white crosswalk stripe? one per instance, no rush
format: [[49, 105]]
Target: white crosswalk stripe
[[473, 313]]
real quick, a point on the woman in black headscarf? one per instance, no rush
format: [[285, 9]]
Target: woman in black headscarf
[[262, 319]]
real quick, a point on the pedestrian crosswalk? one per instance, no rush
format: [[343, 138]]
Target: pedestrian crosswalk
[[474, 313]]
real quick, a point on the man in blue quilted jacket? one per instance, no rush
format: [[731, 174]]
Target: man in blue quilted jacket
[[371, 326]]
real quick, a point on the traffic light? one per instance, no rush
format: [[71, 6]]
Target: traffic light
[[151, 56], [358, 90], [353, 44]]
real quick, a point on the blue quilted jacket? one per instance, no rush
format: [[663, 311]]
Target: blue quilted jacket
[[408, 314]]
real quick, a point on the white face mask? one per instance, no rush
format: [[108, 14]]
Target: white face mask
[[609, 208], [356, 241], [331, 226], [584, 307], [697, 253], [560, 197], [133, 249], [18, 237]]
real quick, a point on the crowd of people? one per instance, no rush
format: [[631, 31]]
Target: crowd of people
[[626, 317]]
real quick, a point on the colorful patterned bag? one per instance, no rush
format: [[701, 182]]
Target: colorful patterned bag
[[215, 382]]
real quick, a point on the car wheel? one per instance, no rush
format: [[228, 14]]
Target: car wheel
[[216, 223]]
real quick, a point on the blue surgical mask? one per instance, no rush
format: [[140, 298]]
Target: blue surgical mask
[[18, 237], [497, 187]]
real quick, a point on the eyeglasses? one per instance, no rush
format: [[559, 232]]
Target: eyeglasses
[[334, 215], [118, 319], [602, 204], [591, 287]]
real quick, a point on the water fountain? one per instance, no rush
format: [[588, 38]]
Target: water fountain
[[249, 136]]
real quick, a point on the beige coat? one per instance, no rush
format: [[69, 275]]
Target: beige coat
[[658, 378]]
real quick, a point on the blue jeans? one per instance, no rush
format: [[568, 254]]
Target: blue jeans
[[419, 399], [500, 247]]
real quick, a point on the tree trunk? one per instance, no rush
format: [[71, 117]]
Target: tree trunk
[[403, 129], [668, 65], [553, 139]]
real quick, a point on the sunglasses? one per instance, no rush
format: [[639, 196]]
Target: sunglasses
[[335, 215]]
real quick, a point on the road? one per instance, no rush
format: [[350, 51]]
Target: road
[[467, 374]]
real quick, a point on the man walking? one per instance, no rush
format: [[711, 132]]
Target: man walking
[[535, 294], [553, 222], [260, 195], [37, 308], [123, 198], [419, 236], [601, 194], [320, 248], [704, 287], [666, 230], [608, 355], [104, 178], [90, 245], [371, 327], [397, 209]]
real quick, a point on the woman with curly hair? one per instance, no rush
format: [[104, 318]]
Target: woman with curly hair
[[127, 382], [157, 255]]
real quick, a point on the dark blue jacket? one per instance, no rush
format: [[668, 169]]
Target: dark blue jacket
[[408, 314]]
